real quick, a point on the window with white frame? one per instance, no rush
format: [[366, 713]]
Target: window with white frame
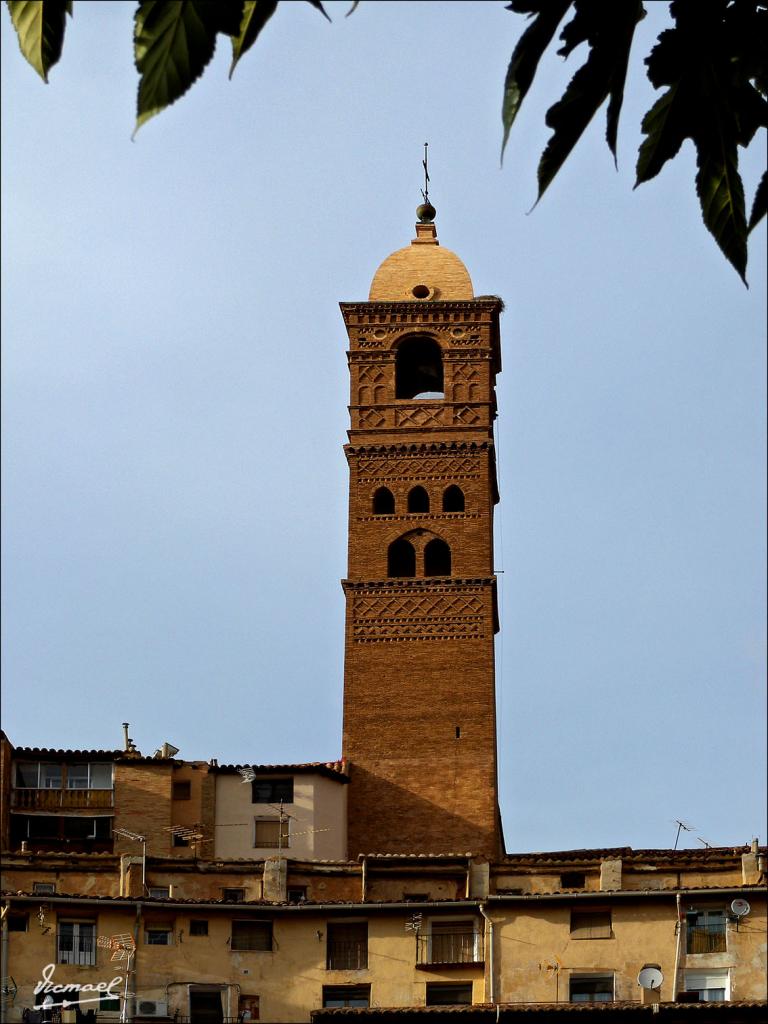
[[158, 935], [709, 986], [45, 775], [591, 988], [76, 943]]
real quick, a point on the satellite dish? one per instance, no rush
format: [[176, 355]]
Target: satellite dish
[[740, 908], [650, 977], [169, 750]]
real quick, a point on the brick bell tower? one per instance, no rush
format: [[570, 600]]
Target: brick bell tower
[[419, 689]]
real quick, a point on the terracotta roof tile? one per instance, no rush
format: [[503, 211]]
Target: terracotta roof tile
[[503, 1009]]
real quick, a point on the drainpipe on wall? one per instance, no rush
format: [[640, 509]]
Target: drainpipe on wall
[[135, 986], [363, 877], [491, 985], [4, 978], [678, 946]]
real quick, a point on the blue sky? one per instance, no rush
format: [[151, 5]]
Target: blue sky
[[174, 406]]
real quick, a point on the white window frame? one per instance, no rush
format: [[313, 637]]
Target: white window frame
[[43, 781], [701, 980], [74, 955], [165, 929], [90, 773], [592, 976]]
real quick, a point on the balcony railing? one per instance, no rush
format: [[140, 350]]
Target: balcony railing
[[347, 956], [61, 799], [706, 939], [79, 950], [459, 947]]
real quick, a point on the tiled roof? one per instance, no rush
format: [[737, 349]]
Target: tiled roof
[[493, 1011], [415, 856], [150, 901], [336, 769], [19, 752], [603, 893], [626, 853]]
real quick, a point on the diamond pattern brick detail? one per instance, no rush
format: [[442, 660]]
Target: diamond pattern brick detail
[[372, 418]]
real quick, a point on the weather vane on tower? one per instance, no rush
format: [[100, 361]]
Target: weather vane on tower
[[426, 211]]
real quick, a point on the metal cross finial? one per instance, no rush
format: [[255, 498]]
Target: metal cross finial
[[425, 190]]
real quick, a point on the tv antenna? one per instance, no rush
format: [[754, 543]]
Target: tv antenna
[[123, 947], [704, 841], [191, 834], [684, 826], [248, 773]]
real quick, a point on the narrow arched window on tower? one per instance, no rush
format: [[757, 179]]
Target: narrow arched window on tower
[[453, 499], [401, 558], [383, 502], [419, 369], [437, 558], [418, 500]]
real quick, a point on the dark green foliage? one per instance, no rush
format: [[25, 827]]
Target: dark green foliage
[[172, 43], [256, 13], [712, 66], [713, 69], [40, 27], [173, 40]]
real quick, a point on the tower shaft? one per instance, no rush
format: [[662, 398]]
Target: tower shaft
[[419, 689]]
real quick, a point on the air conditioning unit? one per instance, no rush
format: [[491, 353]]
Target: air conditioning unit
[[151, 1008]]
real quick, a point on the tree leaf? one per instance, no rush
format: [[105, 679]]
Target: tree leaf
[[173, 42], [721, 194], [663, 124], [759, 203], [623, 35], [319, 6], [40, 28], [609, 30], [526, 55], [256, 13]]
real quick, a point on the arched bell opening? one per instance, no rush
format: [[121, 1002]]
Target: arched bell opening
[[418, 500], [401, 558], [383, 502], [453, 499], [437, 558], [419, 369]]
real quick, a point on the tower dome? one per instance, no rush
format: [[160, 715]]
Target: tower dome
[[423, 271]]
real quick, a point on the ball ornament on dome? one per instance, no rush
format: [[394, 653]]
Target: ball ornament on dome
[[426, 213]]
